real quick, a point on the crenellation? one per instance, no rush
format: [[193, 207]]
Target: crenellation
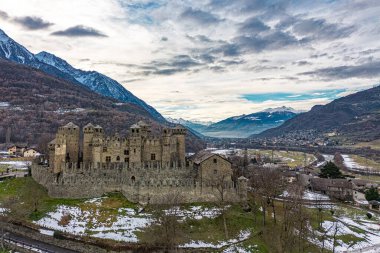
[[141, 166]]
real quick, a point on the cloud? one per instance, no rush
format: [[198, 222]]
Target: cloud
[[274, 40], [366, 70], [80, 31], [253, 25], [3, 15], [199, 16], [32, 23], [316, 28]]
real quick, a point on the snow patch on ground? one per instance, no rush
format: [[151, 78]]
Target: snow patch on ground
[[369, 236], [351, 164], [21, 165], [195, 212], [309, 195], [83, 222], [4, 104], [245, 234]]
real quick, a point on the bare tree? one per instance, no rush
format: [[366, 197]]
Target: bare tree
[[220, 185], [166, 232], [267, 184]]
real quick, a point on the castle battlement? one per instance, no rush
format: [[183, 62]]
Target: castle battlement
[[141, 166]]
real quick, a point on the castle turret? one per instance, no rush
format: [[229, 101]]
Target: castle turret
[[97, 144], [166, 140], [88, 135], [70, 133], [179, 132], [135, 145]]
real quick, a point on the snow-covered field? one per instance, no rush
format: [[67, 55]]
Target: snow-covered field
[[309, 195], [195, 212], [20, 165], [365, 232], [200, 244], [351, 164], [121, 227], [91, 220]]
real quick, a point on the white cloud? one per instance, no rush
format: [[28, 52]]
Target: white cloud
[[211, 90]]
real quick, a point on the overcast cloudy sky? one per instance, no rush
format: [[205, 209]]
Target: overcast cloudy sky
[[211, 59]]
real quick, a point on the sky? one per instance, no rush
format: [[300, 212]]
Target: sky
[[211, 59]]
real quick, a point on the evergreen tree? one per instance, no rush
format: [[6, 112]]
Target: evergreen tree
[[330, 170], [372, 194]]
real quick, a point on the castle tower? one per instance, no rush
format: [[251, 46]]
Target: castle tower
[[179, 132], [135, 145], [70, 133], [88, 134], [97, 145], [166, 141]]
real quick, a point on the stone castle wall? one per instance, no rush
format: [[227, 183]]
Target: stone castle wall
[[148, 184]]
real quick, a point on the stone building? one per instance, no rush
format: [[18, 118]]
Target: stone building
[[143, 166]]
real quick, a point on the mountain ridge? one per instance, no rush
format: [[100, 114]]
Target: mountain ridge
[[355, 117], [55, 66]]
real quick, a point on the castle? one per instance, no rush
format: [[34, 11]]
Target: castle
[[144, 167]]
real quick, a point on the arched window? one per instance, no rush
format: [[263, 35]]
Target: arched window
[[118, 158], [133, 179]]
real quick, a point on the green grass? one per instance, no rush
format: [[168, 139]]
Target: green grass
[[291, 158]]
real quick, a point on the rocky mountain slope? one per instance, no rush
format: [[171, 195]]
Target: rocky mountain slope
[[33, 105], [355, 117], [52, 65]]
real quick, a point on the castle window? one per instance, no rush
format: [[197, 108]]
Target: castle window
[[126, 160], [104, 149], [153, 157], [133, 130], [108, 159], [215, 172], [133, 179], [215, 160], [134, 150], [126, 152], [118, 158]]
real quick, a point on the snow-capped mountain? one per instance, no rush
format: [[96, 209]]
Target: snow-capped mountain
[[282, 109], [97, 82], [50, 64], [248, 124]]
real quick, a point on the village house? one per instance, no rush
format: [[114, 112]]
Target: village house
[[31, 153], [340, 189], [16, 150]]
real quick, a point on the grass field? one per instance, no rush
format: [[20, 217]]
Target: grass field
[[362, 161], [291, 158], [98, 215], [373, 144]]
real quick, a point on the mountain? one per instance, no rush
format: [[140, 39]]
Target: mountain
[[355, 117], [57, 67], [34, 104], [198, 126], [245, 125]]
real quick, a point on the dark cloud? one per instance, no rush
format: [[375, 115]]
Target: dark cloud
[[3, 15], [272, 41], [315, 29], [366, 70], [32, 23], [199, 16], [164, 39], [80, 31], [301, 63], [253, 26]]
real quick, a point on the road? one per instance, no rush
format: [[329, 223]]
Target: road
[[33, 245]]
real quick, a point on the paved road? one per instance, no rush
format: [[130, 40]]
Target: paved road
[[33, 245]]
